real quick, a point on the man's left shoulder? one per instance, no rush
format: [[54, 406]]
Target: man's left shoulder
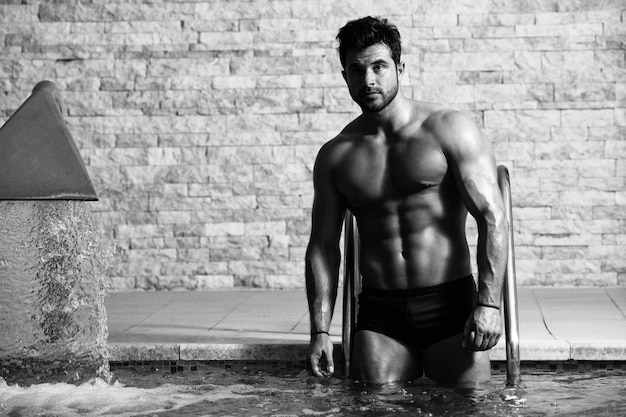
[[450, 120], [452, 127]]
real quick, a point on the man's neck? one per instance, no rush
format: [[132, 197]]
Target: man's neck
[[395, 115]]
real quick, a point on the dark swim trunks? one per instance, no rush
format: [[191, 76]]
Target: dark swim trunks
[[420, 316]]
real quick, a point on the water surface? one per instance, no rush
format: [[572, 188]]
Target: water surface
[[225, 393]]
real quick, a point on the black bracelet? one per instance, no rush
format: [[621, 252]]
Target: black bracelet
[[488, 305], [316, 333]]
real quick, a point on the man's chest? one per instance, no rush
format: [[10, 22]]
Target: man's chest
[[378, 172]]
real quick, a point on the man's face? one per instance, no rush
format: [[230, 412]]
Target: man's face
[[372, 77]]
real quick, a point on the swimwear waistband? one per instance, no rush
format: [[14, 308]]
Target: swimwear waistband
[[412, 292]]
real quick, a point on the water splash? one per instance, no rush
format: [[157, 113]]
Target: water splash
[[52, 289]]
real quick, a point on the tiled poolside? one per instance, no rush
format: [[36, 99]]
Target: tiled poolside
[[556, 324]]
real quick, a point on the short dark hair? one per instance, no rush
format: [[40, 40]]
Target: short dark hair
[[367, 31]]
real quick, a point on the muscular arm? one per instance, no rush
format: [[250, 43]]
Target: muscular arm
[[322, 261], [471, 159]]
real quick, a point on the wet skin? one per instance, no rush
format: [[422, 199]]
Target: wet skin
[[409, 171]]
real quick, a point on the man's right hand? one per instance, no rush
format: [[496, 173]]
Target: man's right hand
[[321, 355]]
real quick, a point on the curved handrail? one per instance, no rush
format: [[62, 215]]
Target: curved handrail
[[511, 318], [352, 287]]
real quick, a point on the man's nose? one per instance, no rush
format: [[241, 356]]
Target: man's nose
[[370, 78]]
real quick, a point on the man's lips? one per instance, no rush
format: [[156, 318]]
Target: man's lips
[[370, 93]]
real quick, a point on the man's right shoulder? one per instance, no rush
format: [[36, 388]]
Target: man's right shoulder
[[333, 152], [337, 146]]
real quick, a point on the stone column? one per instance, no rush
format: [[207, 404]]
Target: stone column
[[52, 260]]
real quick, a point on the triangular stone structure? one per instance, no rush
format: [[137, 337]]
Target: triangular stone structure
[[38, 157]]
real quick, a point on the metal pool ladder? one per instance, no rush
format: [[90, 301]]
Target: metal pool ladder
[[352, 287]]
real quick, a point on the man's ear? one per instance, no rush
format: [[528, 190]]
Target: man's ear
[[400, 68]]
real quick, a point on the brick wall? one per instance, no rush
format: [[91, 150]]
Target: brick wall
[[199, 122]]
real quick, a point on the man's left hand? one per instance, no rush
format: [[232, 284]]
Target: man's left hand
[[483, 329]]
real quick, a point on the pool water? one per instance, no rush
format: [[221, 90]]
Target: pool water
[[261, 393]]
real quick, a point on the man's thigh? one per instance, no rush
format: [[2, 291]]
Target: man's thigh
[[377, 359], [447, 362]]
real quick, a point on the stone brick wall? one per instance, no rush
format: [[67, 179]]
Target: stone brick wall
[[199, 122]]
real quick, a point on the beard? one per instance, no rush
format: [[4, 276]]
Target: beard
[[376, 102]]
